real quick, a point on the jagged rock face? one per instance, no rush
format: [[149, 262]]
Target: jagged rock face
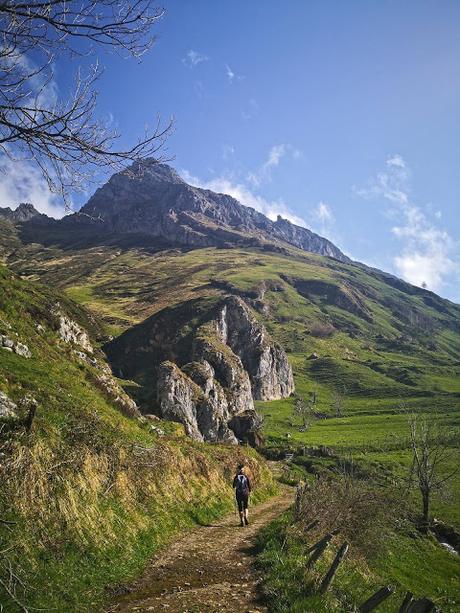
[[234, 361], [194, 398], [213, 408], [152, 199], [71, 332], [228, 369], [24, 212], [178, 397], [265, 361]]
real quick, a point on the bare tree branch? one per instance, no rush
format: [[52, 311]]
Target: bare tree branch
[[432, 447], [61, 134]]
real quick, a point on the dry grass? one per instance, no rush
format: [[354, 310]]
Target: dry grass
[[60, 495]]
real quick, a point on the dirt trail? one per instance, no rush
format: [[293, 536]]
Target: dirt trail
[[208, 569]]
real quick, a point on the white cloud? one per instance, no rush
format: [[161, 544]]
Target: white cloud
[[230, 74], [391, 184], [324, 213], [397, 161], [224, 185], [23, 182], [193, 58], [321, 220], [274, 157], [426, 257]]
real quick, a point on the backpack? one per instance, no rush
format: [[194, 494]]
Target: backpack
[[242, 484]]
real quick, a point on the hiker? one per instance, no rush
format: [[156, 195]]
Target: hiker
[[242, 487]]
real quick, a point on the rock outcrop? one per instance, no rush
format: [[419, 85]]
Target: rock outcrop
[[9, 344], [234, 362], [106, 382], [24, 212], [265, 361], [202, 409], [8, 409], [71, 332]]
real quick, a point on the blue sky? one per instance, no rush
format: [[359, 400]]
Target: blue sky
[[342, 116]]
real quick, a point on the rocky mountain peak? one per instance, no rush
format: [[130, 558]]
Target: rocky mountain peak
[[152, 170], [152, 199], [24, 212]]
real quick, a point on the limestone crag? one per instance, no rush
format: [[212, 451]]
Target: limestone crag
[[7, 407], [178, 396], [228, 368], [71, 332], [265, 361], [214, 409], [234, 362]]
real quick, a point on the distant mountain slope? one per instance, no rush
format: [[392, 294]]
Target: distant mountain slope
[[375, 336], [24, 212], [154, 207], [152, 198]]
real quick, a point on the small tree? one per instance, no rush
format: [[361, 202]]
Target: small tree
[[305, 409], [338, 402], [432, 448]]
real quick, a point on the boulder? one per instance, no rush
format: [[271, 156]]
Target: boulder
[[22, 350], [7, 407], [6, 342], [19, 348]]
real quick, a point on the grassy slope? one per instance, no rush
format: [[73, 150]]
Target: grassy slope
[[408, 562], [407, 357], [91, 493]]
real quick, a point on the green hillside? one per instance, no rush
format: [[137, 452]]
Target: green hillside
[[371, 347], [88, 490]]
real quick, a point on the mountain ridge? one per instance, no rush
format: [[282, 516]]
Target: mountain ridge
[[152, 201], [191, 215]]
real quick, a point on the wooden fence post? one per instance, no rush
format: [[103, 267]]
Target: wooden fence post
[[326, 582], [328, 537], [376, 599], [408, 600], [318, 551], [312, 525], [423, 605]]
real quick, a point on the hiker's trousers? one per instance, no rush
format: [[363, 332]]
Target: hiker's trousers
[[242, 500]]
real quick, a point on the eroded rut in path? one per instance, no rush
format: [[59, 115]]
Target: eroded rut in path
[[208, 569]]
